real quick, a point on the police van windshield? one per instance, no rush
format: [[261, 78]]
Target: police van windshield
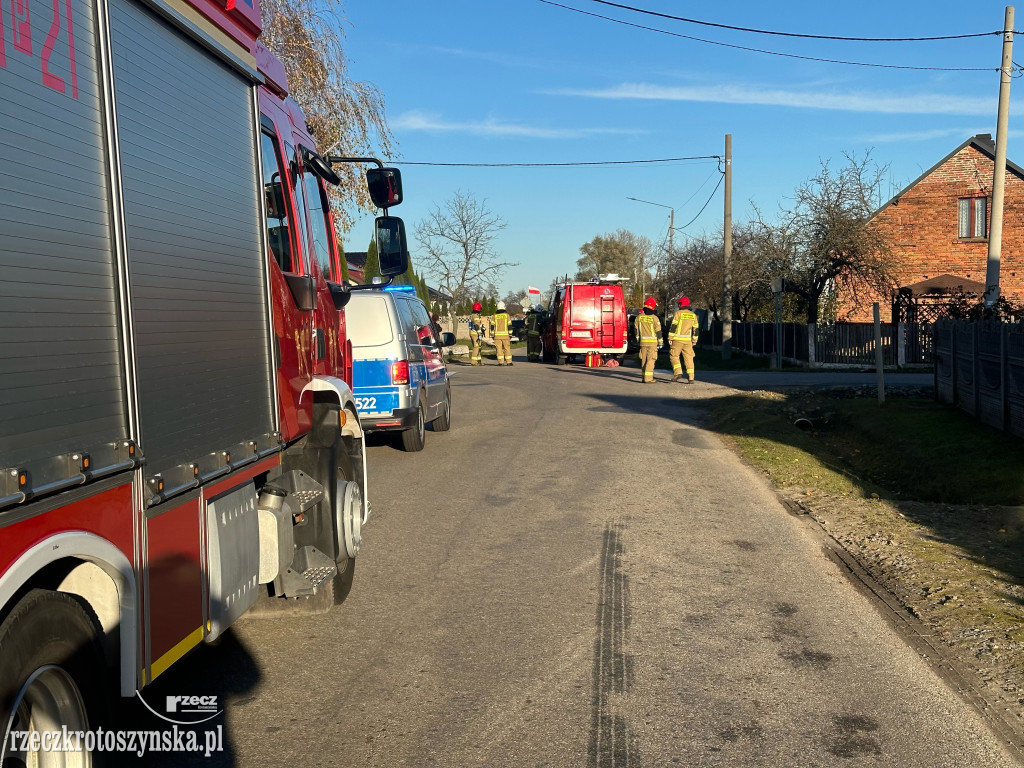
[[369, 320]]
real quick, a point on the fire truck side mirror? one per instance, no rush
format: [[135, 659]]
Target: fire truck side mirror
[[320, 167], [392, 246], [384, 186], [340, 294]]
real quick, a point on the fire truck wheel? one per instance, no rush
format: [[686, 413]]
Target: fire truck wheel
[[444, 422], [52, 674], [562, 359], [343, 581], [414, 437]]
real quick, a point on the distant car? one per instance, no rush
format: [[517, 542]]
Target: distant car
[[518, 330]]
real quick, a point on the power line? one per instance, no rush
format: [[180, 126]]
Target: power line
[[797, 34], [550, 165], [707, 202], [770, 53]]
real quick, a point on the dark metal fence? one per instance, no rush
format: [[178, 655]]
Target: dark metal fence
[[854, 344], [979, 366], [833, 344]]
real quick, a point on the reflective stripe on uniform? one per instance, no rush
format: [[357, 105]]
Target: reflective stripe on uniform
[[501, 323], [645, 328], [680, 330]]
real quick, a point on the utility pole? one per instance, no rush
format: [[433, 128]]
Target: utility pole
[[995, 234], [727, 286]]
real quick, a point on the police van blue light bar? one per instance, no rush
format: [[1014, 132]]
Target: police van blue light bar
[[400, 288]]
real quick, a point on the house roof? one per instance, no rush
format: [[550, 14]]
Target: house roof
[[982, 142], [356, 258], [945, 284]]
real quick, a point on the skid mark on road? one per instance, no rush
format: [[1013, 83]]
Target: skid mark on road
[[612, 742]]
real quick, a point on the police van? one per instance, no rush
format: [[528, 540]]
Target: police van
[[399, 377]]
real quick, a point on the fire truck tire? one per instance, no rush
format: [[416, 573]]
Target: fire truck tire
[[562, 359], [444, 422], [52, 674], [342, 584], [414, 437]]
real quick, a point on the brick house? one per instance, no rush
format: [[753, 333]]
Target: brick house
[[356, 264], [939, 227]]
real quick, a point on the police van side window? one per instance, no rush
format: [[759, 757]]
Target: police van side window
[[422, 320], [319, 221], [279, 235], [405, 318]]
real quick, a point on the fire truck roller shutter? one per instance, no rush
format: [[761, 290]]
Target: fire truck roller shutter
[[187, 135], [61, 384]]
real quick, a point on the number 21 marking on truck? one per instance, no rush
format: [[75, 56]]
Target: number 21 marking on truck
[[21, 37]]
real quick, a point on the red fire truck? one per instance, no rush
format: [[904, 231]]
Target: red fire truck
[[586, 317], [178, 436]]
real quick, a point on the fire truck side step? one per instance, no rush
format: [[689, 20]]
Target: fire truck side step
[[310, 570], [303, 491]]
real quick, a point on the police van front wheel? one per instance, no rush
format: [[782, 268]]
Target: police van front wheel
[[414, 437]]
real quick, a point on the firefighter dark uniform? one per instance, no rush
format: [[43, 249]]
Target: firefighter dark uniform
[[534, 348], [682, 335], [502, 335], [476, 330], [648, 331]]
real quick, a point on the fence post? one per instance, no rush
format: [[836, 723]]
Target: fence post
[[976, 334], [812, 337], [879, 352], [901, 344], [1004, 395]]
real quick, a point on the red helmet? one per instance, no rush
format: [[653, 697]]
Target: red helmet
[[477, 306], [650, 303], [683, 301]]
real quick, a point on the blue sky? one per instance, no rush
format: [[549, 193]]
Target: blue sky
[[524, 81]]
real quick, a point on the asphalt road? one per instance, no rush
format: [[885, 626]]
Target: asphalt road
[[577, 574]]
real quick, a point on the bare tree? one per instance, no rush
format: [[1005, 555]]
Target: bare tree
[[624, 253], [458, 241], [345, 116], [697, 270], [824, 243]]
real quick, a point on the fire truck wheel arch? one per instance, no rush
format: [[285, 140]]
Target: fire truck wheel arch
[[100, 574]]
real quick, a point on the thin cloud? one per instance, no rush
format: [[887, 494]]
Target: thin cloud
[[931, 104], [422, 121], [493, 57], [929, 135]]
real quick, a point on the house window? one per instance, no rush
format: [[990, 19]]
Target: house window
[[972, 217]]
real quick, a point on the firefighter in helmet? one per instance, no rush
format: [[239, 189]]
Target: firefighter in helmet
[[682, 335], [502, 335], [476, 330], [648, 329]]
